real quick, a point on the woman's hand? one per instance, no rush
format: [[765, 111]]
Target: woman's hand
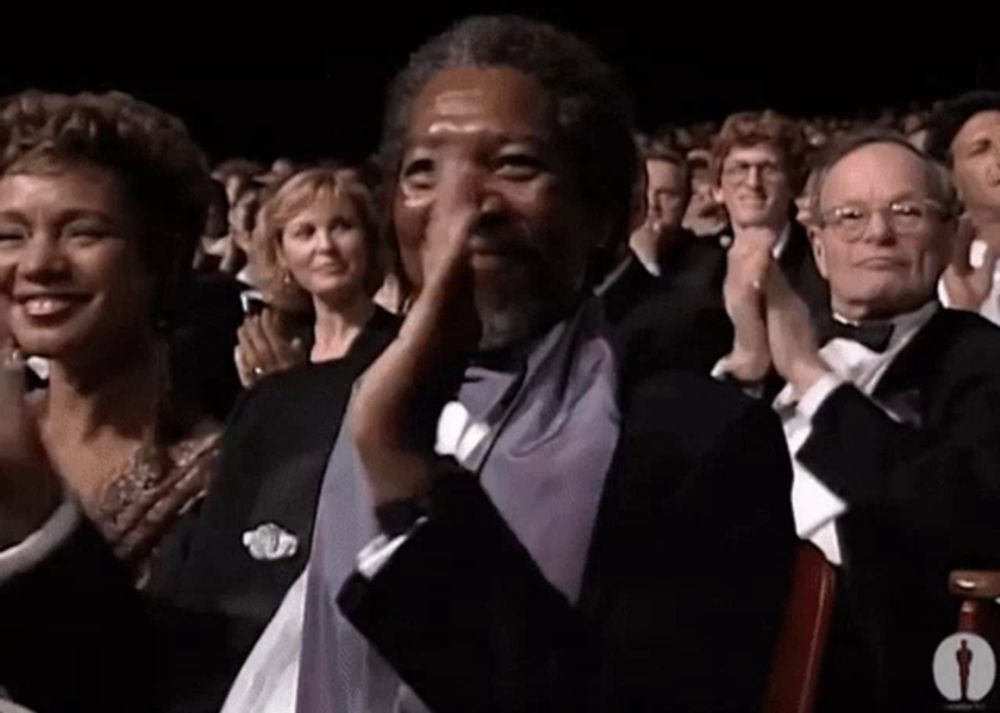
[[264, 350], [29, 488]]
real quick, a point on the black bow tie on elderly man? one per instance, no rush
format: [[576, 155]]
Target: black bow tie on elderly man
[[874, 336]]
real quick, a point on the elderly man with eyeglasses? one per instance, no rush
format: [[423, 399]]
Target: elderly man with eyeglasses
[[890, 414]]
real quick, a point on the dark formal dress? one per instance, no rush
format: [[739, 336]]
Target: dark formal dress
[[219, 579], [202, 339]]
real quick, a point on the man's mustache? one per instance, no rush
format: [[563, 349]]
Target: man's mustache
[[509, 239]]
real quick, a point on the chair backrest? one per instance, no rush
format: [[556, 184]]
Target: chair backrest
[[980, 613], [798, 655]]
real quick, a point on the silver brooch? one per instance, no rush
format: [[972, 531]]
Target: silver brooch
[[269, 542]]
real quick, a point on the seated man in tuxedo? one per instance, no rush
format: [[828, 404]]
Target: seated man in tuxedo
[[668, 191], [656, 323], [758, 165], [705, 217], [891, 416], [662, 194], [570, 536], [964, 134], [585, 539]]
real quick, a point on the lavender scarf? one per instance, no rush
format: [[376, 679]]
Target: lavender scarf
[[540, 435]]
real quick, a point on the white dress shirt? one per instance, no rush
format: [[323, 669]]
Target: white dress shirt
[[990, 308], [815, 507], [777, 250]]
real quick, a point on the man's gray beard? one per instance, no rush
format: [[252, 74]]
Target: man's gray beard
[[507, 322]]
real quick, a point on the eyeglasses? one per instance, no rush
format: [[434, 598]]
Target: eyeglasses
[[739, 171], [903, 217]]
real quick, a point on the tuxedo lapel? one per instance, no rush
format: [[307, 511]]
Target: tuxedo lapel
[[909, 370]]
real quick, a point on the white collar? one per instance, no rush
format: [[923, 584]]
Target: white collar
[[245, 276], [777, 250], [652, 267], [782, 242]]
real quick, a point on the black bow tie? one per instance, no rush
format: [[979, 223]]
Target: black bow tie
[[874, 336]]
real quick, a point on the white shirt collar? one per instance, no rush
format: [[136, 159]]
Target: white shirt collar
[[782, 242], [777, 250], [652, 267], [859, 365], [245, 276]]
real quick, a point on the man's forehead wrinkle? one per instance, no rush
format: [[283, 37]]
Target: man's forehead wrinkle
[[457, 101]]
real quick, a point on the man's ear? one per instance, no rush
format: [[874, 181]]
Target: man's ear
[[819, 251], [638, 211], [607, 246]]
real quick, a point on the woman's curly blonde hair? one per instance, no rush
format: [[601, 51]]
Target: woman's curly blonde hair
[[163, 169]]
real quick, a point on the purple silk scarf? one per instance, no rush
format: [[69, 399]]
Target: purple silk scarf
[[539, 432]]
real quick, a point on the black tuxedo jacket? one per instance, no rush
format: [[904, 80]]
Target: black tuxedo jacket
[[924, 498], [684, 584], [634, 284], [679, 320], [702, 271]]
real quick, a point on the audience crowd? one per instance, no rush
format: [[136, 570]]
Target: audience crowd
[[529, 412]]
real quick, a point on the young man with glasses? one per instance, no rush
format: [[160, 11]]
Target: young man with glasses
[[757, 164], [759, 168]]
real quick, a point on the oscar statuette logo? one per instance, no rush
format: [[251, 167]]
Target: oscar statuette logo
[[965, 670]]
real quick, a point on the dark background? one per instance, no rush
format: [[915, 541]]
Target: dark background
[[308, 82]]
